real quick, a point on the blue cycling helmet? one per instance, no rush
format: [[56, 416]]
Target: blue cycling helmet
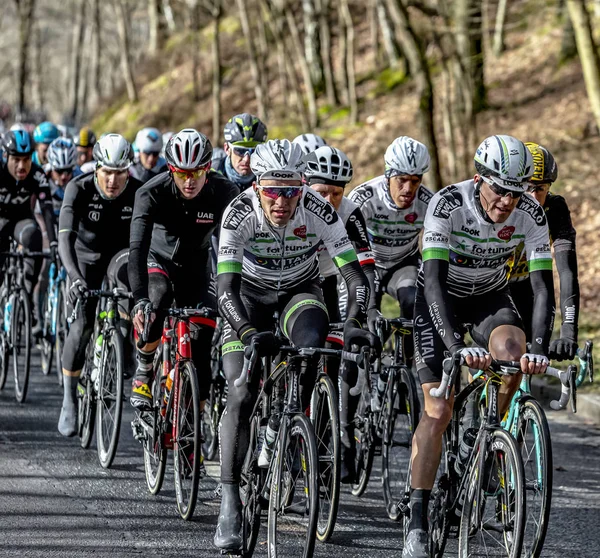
[[46, 132], [18, 142]]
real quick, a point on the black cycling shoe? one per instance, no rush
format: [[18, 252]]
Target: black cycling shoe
[[229, 527], [416, 544], [348, 465]]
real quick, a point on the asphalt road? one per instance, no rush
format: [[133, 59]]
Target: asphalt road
[[56, 500]]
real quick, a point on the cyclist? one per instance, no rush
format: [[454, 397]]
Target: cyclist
[[328, 171], [43, 135], [94, 226], [394, 206], [22, 183], [174, 218], [84, 141], [267, 262], [562, 237], [471, 230], [165, 139], [242, 133], [149, 143], [309, 142], [62, 159]]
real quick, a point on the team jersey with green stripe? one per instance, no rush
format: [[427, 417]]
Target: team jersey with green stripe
[[280, 257], [478, 251], [393, 232]]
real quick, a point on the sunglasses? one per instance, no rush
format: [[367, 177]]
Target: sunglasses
[[242, 151], [533, 188], [63, 171], [500, 191], [287, 191], [185, 174]]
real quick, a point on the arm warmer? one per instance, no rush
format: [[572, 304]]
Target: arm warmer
[[358, 290], [543, 310]]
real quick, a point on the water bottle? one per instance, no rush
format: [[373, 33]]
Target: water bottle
[[266, 453], [97, 358], [464, 449], [7, 312], [168, 386], [261, 436]]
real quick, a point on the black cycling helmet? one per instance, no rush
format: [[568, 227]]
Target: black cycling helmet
[[18, 142], [245, 130], [545, 167], [84, 138]]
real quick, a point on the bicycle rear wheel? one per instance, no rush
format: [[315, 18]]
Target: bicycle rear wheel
[[109, 405], [493, 516], [293, 500], [60, 329], [213, 409], [533, 438], [365, 447], [400, 423], [86, 398], [21, 342], [47, 341], [439, 505], [187, 451], [326, 422]]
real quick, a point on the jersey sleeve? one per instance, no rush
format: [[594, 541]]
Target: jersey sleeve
[[361, 196], [356, 228], [68, 225], [436, 231], [537, 247], [235, 232]]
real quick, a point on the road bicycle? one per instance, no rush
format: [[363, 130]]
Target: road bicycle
[[174, 421]]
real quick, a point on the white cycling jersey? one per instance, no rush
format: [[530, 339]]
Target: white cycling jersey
[[393, 232], [280, 257], [478, 251]]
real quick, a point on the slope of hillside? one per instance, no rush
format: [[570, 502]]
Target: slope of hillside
[[530, 97]]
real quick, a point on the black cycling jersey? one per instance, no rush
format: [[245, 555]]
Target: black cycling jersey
[[139, 171], [92, 228], [173, 230], [17, 198]]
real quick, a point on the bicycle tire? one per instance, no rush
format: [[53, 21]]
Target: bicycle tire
[[46, 343], [326, 423], [507, 496], [295, 462], [155, 453], [187, 450], [439, 506], [110, 398], [538, 467], [400, 423], [61, 329], [4, 358], [86, 410], [213, 409], [365, 448], [21, 346]]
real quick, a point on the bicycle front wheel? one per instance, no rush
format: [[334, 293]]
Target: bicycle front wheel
[[47, 342], [493, 516], [293, 499], [186, 441], [533, 438], [213, 409], [60, 329], [155, 452], [21, 343], [86, 398], [365, 448], [326, 422], [109, 405]]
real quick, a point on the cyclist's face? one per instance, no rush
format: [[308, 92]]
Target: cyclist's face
[[149, 160], [539, 191], [278, 211], [403, 188], [498, 208], [240, 164], [189, 186], [84, 154], [333, 194], [61, 178], [112, 183], [42, 151], [19, 167]]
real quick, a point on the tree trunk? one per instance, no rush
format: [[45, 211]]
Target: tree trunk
[[498, 47], [96, 46], [194, 24], [419, 69], [568, 46], [156, 27], [76, 48], [313, 116], [312, 41], [168, 11], [216, 69], [86, 62], [25, 13], [254, 68], [263, 44], [373, 21], [325, 30], [350, 72], [389, 39], [587, 53], [37, 81], [123, 28]]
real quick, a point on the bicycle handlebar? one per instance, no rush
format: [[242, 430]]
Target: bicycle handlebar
[[586, 361]]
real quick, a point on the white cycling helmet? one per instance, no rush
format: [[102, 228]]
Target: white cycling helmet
[[165, 139], [113, 152], [506, 161], [406, 156], [309, 142], [149, 140], [62, 154], [277, 160], [188, 150], [328, 164]]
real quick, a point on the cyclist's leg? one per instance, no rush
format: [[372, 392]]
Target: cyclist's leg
[[160, 293], [73, 356], [28, 234]]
